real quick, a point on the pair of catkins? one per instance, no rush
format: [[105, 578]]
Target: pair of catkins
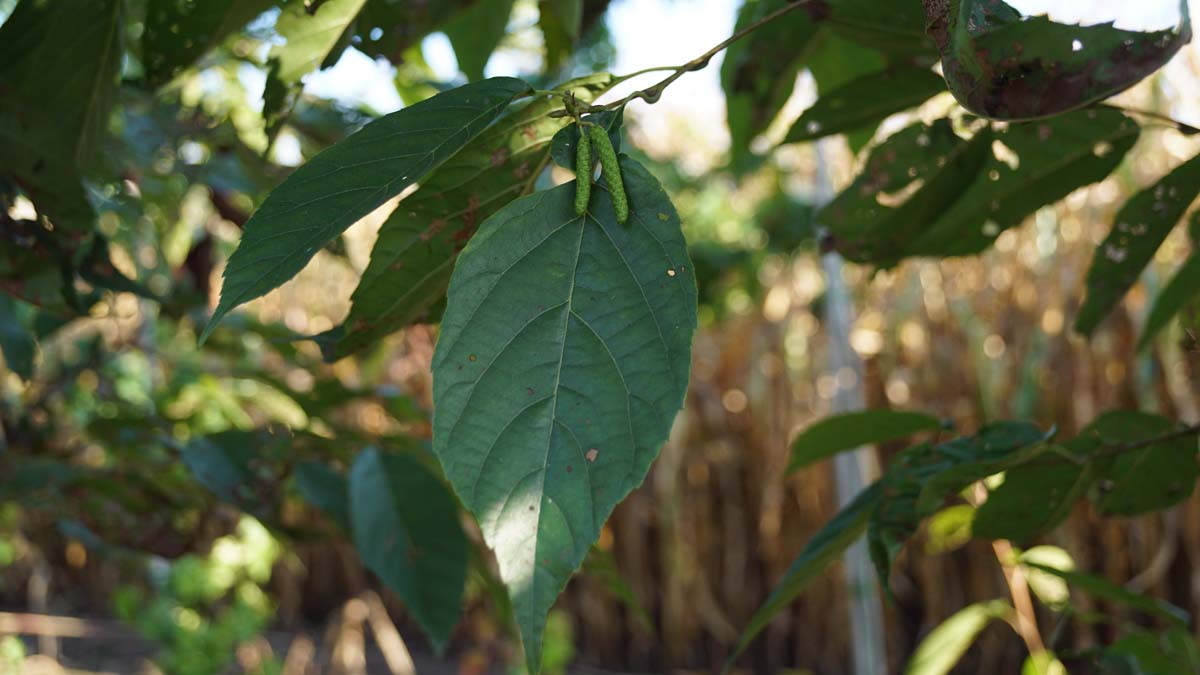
[[589, 135]]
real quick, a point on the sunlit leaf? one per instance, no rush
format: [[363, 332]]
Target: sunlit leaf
[[417, 245], [865, 100], [1142, 225], [562, 360], [838, 433], [349, 180], [310, 35], [946, 644], [406, 529], [1051, 589], [1004, 65], [821, 550], [949, 529]]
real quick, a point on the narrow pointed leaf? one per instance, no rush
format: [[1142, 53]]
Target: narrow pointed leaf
[[351, 179], [309, 38], [864, 101], [838, 433], [946, 644], [417, 245], [563, 358], [1053, 158], [1142, 225], [1182, 289], [825, 546], [406, 529]]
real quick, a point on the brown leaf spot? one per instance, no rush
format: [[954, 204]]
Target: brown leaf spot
[[499, 157], [434, 227], [592, 454]]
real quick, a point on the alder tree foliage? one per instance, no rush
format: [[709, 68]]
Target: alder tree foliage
[[566, 311]]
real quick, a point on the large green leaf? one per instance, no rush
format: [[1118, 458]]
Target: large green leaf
[[351, 179], [177, 32], [563, 358], [1182, 289], [838, 433], [1053, 157], [326, 489], [865, 100], [1107, 590], [1004, 65], [406, 529], [1145, 478], [310, 37], [825, 546], [415, 252], [758, 76], [475, 33], [1033, 498], [1142, 225], [946, 644], [906, 183]]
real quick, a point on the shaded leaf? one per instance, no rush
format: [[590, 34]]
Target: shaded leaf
[[352, 178], [1171, 652], [417, 245], [563, 358], [946, 644], [1054, 157], [561, 22], [906, 184], [865, 100], [757, 76], [1145, 478], [1034, 498], [838, 433], [406, 529], [177, 33], [1106, 590], [894, 27], [475, 32], [1142, 225], [17, 344], [388, 28], [1182, 289], [1004, 65], [326, 489], [821, 550]]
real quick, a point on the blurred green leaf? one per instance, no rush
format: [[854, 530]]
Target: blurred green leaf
[[17, 344], [1141, 479], [946, 644], [561, 21], [475, 32], [351, 179], [406, 530], [1033, 498], [839, 433], [949, 529], [1106, 590], [177, 33], [1182, 289], [1142, 225], [326, 489], [310, 36], [865, 100]]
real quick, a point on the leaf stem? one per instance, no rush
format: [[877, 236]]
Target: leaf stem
[[652, 94], [1119, 448]]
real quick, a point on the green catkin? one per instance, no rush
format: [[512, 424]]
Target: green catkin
[[612, 172], [583, 173]]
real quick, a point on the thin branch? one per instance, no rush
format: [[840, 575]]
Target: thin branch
[[652, 94], [1181, 127], [1120, 448]]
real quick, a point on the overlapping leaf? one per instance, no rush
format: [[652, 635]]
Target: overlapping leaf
[[1033, 498], [417, 245], [177, 33], [1182, 289], [563, 358], [351, 179], [865, 100], [1135, 474], [475, 33], [1142, 225], [310, 36], [946, 644], [406, 529]]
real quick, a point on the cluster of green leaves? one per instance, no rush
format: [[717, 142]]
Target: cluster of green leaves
[[1125, 463]]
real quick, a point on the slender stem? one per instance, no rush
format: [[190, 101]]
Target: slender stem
[[1182, 127], [652, 94], [1119, 448]]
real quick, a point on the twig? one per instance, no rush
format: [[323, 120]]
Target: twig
[[652, 94], [1181, 127]]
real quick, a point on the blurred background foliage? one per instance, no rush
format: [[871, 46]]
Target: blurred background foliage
[[164, 507]]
